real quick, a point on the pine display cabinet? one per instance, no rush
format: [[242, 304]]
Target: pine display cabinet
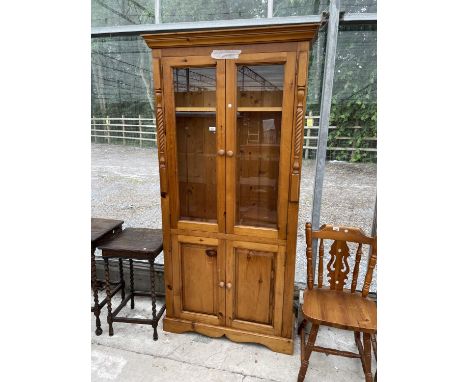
[[229, 107]]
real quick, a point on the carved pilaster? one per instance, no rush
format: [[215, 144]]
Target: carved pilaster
[[299, 129], [161, 132], [298, 144]]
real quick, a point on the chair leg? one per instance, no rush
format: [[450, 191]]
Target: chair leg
[[307, 352], [132, 287], [96, 309], [153, 300], [374, 347], [301, 326], [367, 357], [357, 339], [109, 298], [122, 280]]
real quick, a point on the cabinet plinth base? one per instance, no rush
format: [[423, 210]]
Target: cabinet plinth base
[[277, 344]]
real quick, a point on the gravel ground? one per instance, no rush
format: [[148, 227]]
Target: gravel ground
[[125, 185]]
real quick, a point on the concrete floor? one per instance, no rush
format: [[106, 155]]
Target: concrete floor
[[131, 355]]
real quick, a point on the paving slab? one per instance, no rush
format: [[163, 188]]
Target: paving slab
[[131, 355], [120, 365]]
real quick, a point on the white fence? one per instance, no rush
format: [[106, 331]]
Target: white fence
[[124, 129], [311, 139]]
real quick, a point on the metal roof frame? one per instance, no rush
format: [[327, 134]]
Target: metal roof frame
[[128, 30], [358, 18]]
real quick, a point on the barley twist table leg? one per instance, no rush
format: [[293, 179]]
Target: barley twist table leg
[[109, 298], [132, 286], [96, 309], [122, 280], [153, 300]]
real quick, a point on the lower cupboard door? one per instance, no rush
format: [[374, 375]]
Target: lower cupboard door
[[198, 271], [254, 286]]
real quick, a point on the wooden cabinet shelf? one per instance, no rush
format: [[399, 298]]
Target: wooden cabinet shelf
[[195, 108], [229, 166], [252, 108]]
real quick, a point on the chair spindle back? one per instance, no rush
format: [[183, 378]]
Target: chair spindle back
[[338, 265], [356, 268], [320, 283]]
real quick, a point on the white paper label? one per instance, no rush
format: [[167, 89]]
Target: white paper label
[[212, 128], [225, 54]]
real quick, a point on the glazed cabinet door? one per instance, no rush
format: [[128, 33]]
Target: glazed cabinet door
[[254, 286], [259, 87], [194, 113], [199, 269]]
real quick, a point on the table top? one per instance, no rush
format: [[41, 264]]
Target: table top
[[101, 227], [143, 241]]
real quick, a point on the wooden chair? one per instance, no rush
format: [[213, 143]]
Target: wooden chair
[[334, 305]]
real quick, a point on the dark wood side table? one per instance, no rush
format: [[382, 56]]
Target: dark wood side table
[[103, 230], [134, 244]]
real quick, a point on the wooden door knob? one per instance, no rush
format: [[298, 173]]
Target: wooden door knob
[[221, 284], [229, 153], [228, 285], [221, 152]]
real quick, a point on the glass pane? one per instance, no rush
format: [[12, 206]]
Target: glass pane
[[259, 94], [173, 11], [195, 87], [257, 168], [195, 98], [122, 92], [359, 6], [122, 12], [354, 102], [260, 86], [299, 7], [121, 78], [259, 101]]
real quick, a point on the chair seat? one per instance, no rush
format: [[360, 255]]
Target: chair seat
[[340, 309]]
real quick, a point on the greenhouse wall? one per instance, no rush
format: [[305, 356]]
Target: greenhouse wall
[[121, 73]]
